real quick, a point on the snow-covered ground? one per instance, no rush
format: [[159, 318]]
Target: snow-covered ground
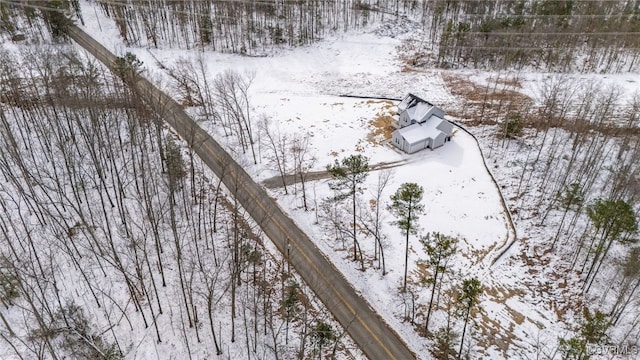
[[299, 89]]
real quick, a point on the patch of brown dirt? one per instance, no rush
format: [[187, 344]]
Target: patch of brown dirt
[[387, 104], [422, 273], [516, 316], [501, 97], [383, 125], [501, 294], [509, 81], [492, 328], [486, 104], [382, 129], [494, 334]]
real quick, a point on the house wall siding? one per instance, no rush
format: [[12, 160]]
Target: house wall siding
[[397, 140], [404, 120], [446, 127], [438, 112], [438, 141], [417, 146]]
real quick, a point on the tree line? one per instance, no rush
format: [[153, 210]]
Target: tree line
[[247, 27], [552, 35], [548, 34]]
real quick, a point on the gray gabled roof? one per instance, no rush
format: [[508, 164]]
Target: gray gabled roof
[[409, 101], [419, 111]]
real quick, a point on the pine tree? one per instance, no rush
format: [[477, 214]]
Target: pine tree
[[613, 220], [56, 18], [593, 330], [594, 326], [444, 344], [127, 67], [175, 165], [348, 176], [572, 348], [439, 249], [467, 300], [322, 335], [405, 206]]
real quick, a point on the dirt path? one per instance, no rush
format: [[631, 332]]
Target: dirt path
[[276, 181]]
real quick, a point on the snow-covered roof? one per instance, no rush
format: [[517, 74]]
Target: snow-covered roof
[[420, 131], [419, 111], [409, 101]]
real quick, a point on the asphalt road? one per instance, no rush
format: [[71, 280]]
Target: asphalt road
[[369, 331]]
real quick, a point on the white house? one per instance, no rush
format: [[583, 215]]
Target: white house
[[422, 125]]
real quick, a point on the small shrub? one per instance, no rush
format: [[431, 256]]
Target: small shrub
[[445, 340], [128, 66], [73, 333], [512, 126], [9, 289], [175, 164]]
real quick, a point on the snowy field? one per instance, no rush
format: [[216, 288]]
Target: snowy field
[[299, 90]]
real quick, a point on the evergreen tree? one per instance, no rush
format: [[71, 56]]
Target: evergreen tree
[[613, 220], [468, 299], [593, 328], [439, 249], [175, 165], [56, 18], [128, 67], [348, 176], [572, 349], [290, 304], [405, 206], [444, 342], [322, 335]]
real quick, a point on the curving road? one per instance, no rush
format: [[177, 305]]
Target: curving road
[[370, 332]]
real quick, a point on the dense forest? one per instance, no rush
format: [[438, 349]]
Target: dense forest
[[109, 228], [551, 35], [545, 34], [555, 35]]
